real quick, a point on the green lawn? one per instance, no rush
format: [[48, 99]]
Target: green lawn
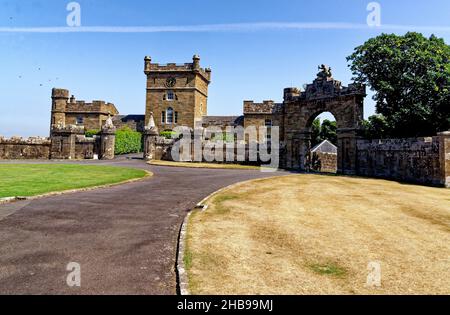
[[36, 179]]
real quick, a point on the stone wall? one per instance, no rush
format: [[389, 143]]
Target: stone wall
[[134, 122], [418, 160], [324, 162], [17, 148]]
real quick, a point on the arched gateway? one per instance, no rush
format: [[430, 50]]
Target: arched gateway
[[301, 108]]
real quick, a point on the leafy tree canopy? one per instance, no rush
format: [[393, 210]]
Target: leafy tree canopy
[[327, 130], [411, 77]]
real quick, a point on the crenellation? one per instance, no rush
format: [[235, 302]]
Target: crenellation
[[66, 111]]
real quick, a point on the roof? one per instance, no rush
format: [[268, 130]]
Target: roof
[[325, 147]]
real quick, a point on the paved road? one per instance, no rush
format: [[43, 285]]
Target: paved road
[[124, 237]]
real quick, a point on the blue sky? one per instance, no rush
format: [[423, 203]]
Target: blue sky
[[247, 62]]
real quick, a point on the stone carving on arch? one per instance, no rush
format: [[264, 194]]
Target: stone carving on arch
[[325, 94]]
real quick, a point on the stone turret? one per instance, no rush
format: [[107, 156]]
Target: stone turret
[[60, 98], [147, 63], [196, 62]]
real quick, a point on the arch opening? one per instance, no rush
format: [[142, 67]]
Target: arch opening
[[321, 143]]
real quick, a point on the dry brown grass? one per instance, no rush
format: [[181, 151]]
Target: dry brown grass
[[310, 234]]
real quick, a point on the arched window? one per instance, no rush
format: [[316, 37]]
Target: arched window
[[169, 115], [170, 96]]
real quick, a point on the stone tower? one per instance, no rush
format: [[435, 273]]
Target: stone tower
[[177, 95], [60, 97]]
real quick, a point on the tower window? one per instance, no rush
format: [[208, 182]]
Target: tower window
[[80, 120], [170, 114], [163, 117], [170, 96]]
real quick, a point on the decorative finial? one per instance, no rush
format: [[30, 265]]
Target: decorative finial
[[151, 126], [108, 123]]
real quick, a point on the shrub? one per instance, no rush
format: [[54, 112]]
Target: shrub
[[169, 134], [128, 141], [92, 133]]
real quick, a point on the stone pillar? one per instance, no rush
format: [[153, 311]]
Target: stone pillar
[[150, 137], [444, 158], [63, 141], [347, 151], [107, 140], [305, 151]]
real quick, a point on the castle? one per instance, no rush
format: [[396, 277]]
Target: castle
[[177, 95]]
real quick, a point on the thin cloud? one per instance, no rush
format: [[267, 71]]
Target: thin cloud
[[236, 27]]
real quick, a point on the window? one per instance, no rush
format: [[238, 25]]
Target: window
[[80, 120], [176, 117], [170, 96], [268, 123], [170, 114], [163, 117]]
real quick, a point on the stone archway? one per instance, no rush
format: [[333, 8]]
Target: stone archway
[[324, 95]]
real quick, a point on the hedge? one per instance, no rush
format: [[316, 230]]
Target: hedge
[[169, 134], [92, 133], [128, 141]]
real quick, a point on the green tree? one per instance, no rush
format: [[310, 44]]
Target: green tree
[[376, 127], [323, 131], [410, 75], [328, 131], [315, 132]]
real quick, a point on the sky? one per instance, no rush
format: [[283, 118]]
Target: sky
[[255, 48]]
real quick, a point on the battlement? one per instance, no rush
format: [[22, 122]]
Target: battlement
[[266, 107], [174, 67], [68, 129], [68, 104], [25, 141], [95, 106]]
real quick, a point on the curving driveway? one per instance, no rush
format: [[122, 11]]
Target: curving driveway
[[123, 237]]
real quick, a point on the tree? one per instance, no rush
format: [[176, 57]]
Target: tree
[[323, 131], [376, 127], [315, 132], [328, 131], [411, 77]]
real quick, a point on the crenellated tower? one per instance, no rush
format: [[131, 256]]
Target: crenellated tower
[[177, 95]]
